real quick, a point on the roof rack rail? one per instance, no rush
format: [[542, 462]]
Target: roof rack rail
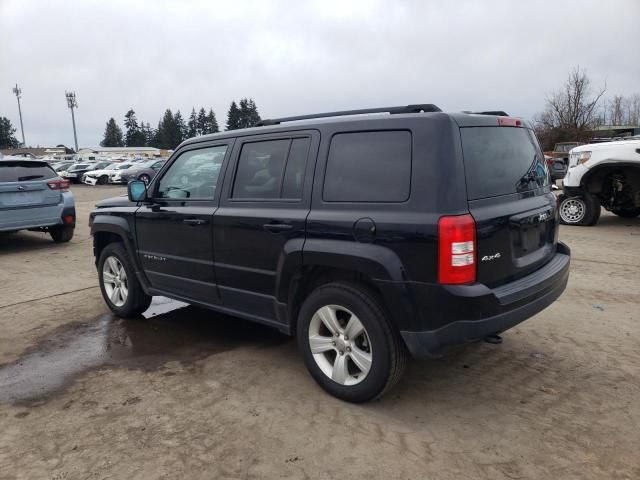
[[426, 107], [499, 113]]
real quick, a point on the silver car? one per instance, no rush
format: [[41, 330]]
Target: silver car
[[34, 197]]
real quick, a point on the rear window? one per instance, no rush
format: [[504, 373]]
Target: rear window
[[369, 167], [502, 160], [24, 171]]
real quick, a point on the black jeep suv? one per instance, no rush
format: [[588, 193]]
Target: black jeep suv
[[367, 234]]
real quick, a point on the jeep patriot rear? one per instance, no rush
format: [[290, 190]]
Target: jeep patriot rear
[[366, 234]]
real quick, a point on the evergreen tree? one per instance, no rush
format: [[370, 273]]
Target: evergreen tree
[[180, 129], [149, 135], [134, 136], [233, 117], [192, 126], [212, 123], [243, 121], [164, 133], [112, 135], [7, 137], [201, 122], [253, 117]]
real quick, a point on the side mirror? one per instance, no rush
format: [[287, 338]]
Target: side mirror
[[137, 191]]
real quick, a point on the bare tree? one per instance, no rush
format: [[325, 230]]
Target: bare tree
[[574, 107], [571, 111], [616, 110]]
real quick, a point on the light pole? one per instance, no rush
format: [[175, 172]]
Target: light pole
[[18, 92], [72, 103]]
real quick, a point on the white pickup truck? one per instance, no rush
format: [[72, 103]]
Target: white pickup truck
[[601, 174]]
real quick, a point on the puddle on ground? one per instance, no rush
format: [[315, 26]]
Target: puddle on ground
[[169, 331]]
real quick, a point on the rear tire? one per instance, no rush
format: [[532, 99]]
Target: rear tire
[[62, 233], [583, 211], [626, 212], [119, 285], [355, 369]]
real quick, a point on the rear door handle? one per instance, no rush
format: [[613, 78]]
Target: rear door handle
[[195, 221], [277, 227]]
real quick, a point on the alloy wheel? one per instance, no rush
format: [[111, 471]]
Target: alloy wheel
[[340, 345], [114, 278]]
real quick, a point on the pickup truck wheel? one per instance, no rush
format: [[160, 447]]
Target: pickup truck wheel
[[118, 282], [626, 212], [583, 210], [348, 344], [61, 234]]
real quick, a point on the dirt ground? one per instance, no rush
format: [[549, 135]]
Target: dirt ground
[[187, 393]]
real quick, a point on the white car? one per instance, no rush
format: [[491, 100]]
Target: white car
[[601, 174], [106, 175]]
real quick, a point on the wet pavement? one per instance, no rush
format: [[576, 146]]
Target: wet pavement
[[169, 331]]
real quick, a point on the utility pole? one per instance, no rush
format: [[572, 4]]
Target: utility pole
[[72, 103], [18, 92]]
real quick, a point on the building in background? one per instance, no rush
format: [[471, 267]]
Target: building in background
[[120, 152]]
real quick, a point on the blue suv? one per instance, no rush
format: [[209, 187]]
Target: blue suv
[[34, 197]]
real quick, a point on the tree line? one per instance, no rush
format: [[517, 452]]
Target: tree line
[[577, 108], [173, 129]]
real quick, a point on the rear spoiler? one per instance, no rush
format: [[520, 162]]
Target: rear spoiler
[[497, 113]]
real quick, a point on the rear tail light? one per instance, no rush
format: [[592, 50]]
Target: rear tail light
[[69, 219], [62, 185], [457, 249]]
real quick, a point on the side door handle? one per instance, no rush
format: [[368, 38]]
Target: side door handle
[[277, 227], [195, 221]]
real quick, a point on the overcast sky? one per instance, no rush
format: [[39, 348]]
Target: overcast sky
[[296, 57]]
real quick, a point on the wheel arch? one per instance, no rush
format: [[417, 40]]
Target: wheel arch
[[107, 229], [592, 181], [317, 262]]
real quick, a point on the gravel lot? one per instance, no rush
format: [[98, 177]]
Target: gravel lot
[[188, 393]]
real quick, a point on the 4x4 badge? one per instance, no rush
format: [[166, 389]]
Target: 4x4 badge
[[488, 258]]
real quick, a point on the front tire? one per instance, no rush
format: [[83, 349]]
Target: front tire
[[103, 180], [61, 234], [348, 343], [626, 212], [583, 210], [119, 285]]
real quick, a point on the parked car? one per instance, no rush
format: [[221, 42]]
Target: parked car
[[61, 166], [602, 174], [101, 165], [144, 171], [34, 197], [104, 176], [75, 172], [559, 161], [366, 236]]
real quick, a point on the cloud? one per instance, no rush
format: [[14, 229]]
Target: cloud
[[299, 57]]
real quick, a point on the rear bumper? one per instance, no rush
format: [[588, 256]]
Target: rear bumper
[[491, 311]]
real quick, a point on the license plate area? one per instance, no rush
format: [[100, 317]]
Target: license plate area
[[18, 199], [531, 232]]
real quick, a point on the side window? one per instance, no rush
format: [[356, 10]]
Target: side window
[[193, 175], [368, 167], [294, 171], [271, 169]]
